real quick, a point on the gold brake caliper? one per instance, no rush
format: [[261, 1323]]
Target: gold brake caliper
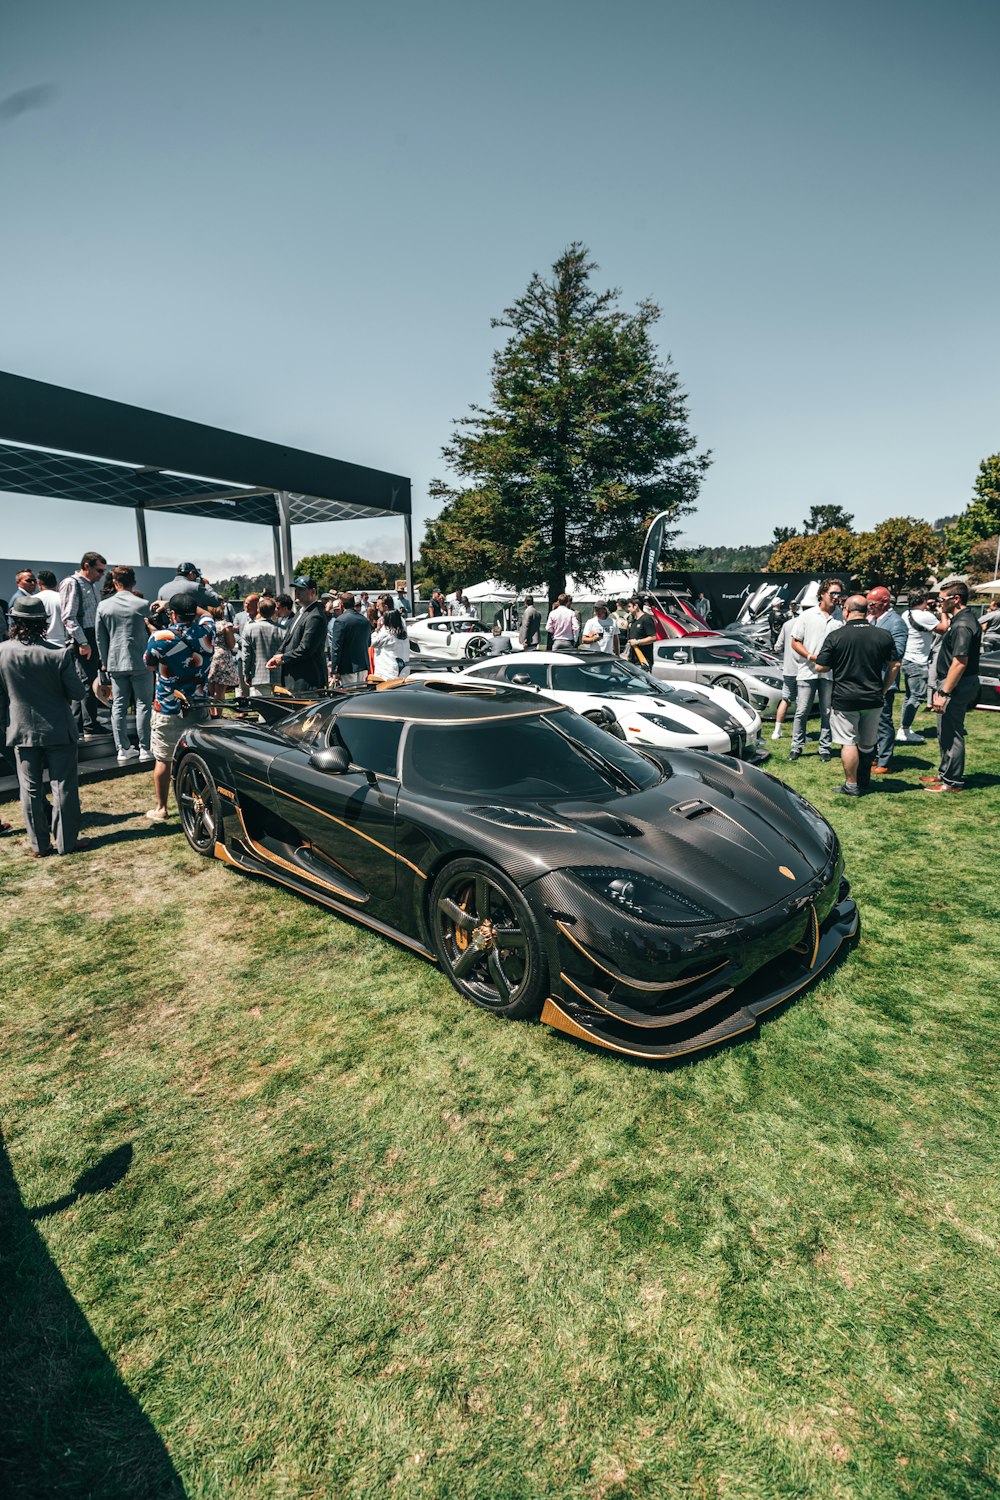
[[461, 936]]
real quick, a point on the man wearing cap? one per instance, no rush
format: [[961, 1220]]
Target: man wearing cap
[[302, 659], [39, 684], [189, 580], [180, 656], [956, 686], [350, 636], [865, 664], [882, 614]]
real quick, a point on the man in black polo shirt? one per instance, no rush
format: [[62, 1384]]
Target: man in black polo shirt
[[865, 664], [957, 687], [641, 633]]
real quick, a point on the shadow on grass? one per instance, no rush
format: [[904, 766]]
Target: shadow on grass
[[69, 1426]]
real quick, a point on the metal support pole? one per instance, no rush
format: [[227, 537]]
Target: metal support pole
[[276, 540], [408, 558], [286, 536], [140, 531]]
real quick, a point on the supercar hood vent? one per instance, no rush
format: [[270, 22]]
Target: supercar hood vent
[[517, 817], [605, 822]]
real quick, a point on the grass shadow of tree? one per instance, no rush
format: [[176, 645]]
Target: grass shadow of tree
[[69, 1426]]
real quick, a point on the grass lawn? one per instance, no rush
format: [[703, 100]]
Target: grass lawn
[[365, 1240]]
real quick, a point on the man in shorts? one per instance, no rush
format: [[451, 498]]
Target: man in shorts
[[180, 656], [865, 665]]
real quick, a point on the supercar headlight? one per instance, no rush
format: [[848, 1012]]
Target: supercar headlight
[[662, 721], [643, 896]]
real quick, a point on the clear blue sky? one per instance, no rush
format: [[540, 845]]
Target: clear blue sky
[[296, 221]]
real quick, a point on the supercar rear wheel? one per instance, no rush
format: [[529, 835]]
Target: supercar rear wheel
[[199, 805]]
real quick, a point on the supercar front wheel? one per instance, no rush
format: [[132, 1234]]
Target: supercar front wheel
[[487, 939], [477, 647], [199, 805]]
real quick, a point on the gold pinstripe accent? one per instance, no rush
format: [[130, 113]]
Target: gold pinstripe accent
[[221, 852], [639, 984], [275, 859], [812, 961], [654, 1022], [809, 977], [313, 808], [554, 1016]]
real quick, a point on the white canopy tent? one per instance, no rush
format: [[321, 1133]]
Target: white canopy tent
[[611, 586]]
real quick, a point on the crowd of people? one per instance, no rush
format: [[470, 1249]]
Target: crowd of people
[[854, 676], [77, 659], [72, 650]]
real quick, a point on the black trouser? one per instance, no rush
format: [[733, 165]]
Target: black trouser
[[86, 710]]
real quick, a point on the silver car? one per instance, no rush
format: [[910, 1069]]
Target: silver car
[[747, 671]]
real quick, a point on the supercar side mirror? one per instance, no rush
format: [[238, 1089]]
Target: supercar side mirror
[[521, 679], [334, 760]]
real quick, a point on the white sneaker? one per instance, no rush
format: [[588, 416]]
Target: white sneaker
[[145, 756], [157, 815], [776, 732], [124, 756], [907, 737]]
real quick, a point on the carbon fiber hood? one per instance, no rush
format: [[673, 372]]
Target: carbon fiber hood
[[733, 840]]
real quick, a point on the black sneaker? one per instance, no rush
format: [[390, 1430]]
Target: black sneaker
[[826, 759], [794, 754], [848, 791]]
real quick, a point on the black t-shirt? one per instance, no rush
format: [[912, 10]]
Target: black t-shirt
[[962, 638], [642, 627], [858, 655]]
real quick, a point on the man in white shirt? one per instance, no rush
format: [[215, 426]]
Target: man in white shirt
[[562, 626], [808, 634], [600, 632], [921, 628], [48, 592], [789, 673]]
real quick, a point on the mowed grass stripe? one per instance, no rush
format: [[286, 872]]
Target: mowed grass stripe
[[373, 1241]]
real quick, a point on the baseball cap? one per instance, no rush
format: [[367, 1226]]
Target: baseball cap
[[28, 608], [303, 581], [189, 568], [184, 603]]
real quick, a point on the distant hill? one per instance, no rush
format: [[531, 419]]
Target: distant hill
[[728, 559]]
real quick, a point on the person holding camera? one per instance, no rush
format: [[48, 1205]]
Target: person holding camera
[[180, 656]]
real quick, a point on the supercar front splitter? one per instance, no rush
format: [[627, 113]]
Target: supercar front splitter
[[716, 1018]]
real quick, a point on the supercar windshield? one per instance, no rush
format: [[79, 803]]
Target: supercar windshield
[[605, 676], [524, 758]]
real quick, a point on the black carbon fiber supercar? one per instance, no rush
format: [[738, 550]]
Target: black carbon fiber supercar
[[651, 903]]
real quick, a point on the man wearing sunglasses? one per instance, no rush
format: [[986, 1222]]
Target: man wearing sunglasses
[[81, 594]]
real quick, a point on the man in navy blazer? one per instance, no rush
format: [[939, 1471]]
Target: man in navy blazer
[[349, 635], [122, 639]]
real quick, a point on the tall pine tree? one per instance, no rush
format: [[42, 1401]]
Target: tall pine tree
[[584, 441]]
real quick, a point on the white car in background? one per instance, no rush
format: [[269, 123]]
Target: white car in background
[[455, 639], [663, 715], [719, 661]]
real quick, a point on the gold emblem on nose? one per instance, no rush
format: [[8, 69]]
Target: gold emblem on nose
[[784, 870]]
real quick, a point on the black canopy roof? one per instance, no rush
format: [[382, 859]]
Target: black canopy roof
[[70, 446]]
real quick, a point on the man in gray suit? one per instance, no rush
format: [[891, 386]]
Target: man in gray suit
[[122, 639], [39, 683]]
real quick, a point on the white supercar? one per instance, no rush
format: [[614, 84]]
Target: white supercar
[[645, 712]]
